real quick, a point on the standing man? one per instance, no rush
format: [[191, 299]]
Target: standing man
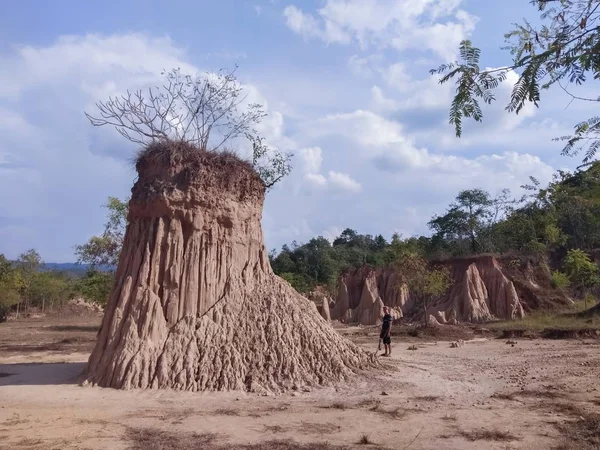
[[386, 328]]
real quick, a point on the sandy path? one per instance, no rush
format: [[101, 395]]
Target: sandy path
[[439, 393]]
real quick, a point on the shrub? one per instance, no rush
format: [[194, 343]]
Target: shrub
[[589, 300], [560, 280]]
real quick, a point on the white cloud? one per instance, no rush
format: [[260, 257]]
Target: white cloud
[[386, 146], [436, 25], [343, 182], [380, 103], [294, 231], [307, 26], [91, 61], [378, 138], [316, 179], [312, 159], [360, 66]]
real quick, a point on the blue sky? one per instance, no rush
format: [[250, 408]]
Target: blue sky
[[345, 83]]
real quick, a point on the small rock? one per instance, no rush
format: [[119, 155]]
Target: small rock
[[384, 393]]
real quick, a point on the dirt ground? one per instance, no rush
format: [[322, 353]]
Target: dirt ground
[[486, 394]]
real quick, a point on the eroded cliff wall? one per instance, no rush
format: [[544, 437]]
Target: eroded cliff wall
[[484, 288]]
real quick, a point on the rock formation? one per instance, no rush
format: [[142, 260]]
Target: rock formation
[[195, 305], [480, 293], [484, 288], [363, 293], [321, 300], [324, 309]]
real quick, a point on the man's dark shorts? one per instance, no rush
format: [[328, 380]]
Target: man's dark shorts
[[386, 337]]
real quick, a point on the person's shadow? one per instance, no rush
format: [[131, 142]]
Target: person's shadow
[[38, 374]]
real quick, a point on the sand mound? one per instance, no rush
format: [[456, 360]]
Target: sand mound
[[195, 304]]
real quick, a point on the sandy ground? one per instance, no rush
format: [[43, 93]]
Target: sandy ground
[[486, 394]]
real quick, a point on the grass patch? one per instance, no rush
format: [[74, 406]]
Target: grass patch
[[227, 412], [276, 408], [565, 319], [395, 413], [151, 439], [368, 402], [581, 434], [488, 435], [509, 396], [450, 417], [566, 409], [365, 440], [427, 398], [84, 328], [274, 429], [154, 439], [434, 333], [337, 405], [536, 393], [319, 428]]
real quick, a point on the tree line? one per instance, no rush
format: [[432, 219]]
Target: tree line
[[24, 285]]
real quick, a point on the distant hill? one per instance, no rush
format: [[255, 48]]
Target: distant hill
[[72, 268]]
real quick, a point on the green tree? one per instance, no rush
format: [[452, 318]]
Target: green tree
[[104, 250], [466, 218], [574, 199], [400, 246], [380, 242], [581, 270], [425, 282], [96, 286], [11, 286], [29, 263], [320, 263], [297, 281], [562, 51], [49, 289], [347, 237]]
